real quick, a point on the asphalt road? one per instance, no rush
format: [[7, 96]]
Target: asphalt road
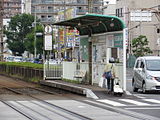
[[152, 100]]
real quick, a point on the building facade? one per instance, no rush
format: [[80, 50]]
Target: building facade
[[142, 17], [46, 10], [109, 8], [11, 8]]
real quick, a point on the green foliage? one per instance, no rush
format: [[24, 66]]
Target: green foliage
[[30, 40], [35, 79], [71, 81], [23, 64], [139, 46], [19, 27]]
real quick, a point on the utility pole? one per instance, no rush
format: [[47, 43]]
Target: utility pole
[[90, 7], [1, 29], [35, 37], [65, 32]]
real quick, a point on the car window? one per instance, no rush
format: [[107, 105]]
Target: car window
[[137, 64], [153, 65], [142, 65]]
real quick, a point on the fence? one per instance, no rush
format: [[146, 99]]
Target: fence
[[52, 71], [24, 72]]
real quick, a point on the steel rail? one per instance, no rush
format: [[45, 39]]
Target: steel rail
[[47, 103], [63, 109], [19, 111]]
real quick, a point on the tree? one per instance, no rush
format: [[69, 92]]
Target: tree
[[29, 42], [19, 27], [139, 46]]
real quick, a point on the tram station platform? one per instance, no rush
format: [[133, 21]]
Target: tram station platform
[[89, 91]]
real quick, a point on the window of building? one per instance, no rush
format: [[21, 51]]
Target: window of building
[[95, 9], [119, 12], [96, 1], [80, 9], [50, 9], [78, 1]]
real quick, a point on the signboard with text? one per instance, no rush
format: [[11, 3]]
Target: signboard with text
[[118, 40], [48, 42], [139, 15]]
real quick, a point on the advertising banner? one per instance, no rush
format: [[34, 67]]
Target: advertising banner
[[61, 36]]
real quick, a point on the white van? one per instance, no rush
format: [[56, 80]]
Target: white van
[[146, 74]]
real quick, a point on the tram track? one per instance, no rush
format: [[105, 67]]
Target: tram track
[[69, 115], [45, 105], [14, 108]]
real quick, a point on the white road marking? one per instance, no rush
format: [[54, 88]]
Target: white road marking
[[111, 102], [152, 100], [139, 96], [143, 108], [133, 102]]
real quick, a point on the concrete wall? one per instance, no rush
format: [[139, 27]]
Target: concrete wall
[[28, 6], [109, 9], [69, 69]]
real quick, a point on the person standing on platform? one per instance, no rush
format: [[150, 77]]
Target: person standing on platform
[[109, 73]]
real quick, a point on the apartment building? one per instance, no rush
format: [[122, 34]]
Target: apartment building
[[11, 8], [47, 10], [109, 7], [142, 17]]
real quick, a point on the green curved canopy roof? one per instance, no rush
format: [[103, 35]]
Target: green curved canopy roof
[[94, 24]]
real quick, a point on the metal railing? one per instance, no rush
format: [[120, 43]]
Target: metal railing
[[53, 71]]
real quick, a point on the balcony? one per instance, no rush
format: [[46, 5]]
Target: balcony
[[44, 11], [42, 1], [47, 20], [60, 3], [12, 2], [84, 11]]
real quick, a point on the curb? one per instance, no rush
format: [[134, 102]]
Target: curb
[[72, 88]]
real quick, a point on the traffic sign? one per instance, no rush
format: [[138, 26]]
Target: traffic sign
[[48, 29]]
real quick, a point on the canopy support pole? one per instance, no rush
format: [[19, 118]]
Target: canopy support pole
[[90, 58], [124, 57]]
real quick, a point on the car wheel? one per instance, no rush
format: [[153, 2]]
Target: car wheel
[[134, 88], [144, 88]]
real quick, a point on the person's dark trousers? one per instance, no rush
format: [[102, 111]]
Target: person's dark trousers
[[112, 84], [108, 84]]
